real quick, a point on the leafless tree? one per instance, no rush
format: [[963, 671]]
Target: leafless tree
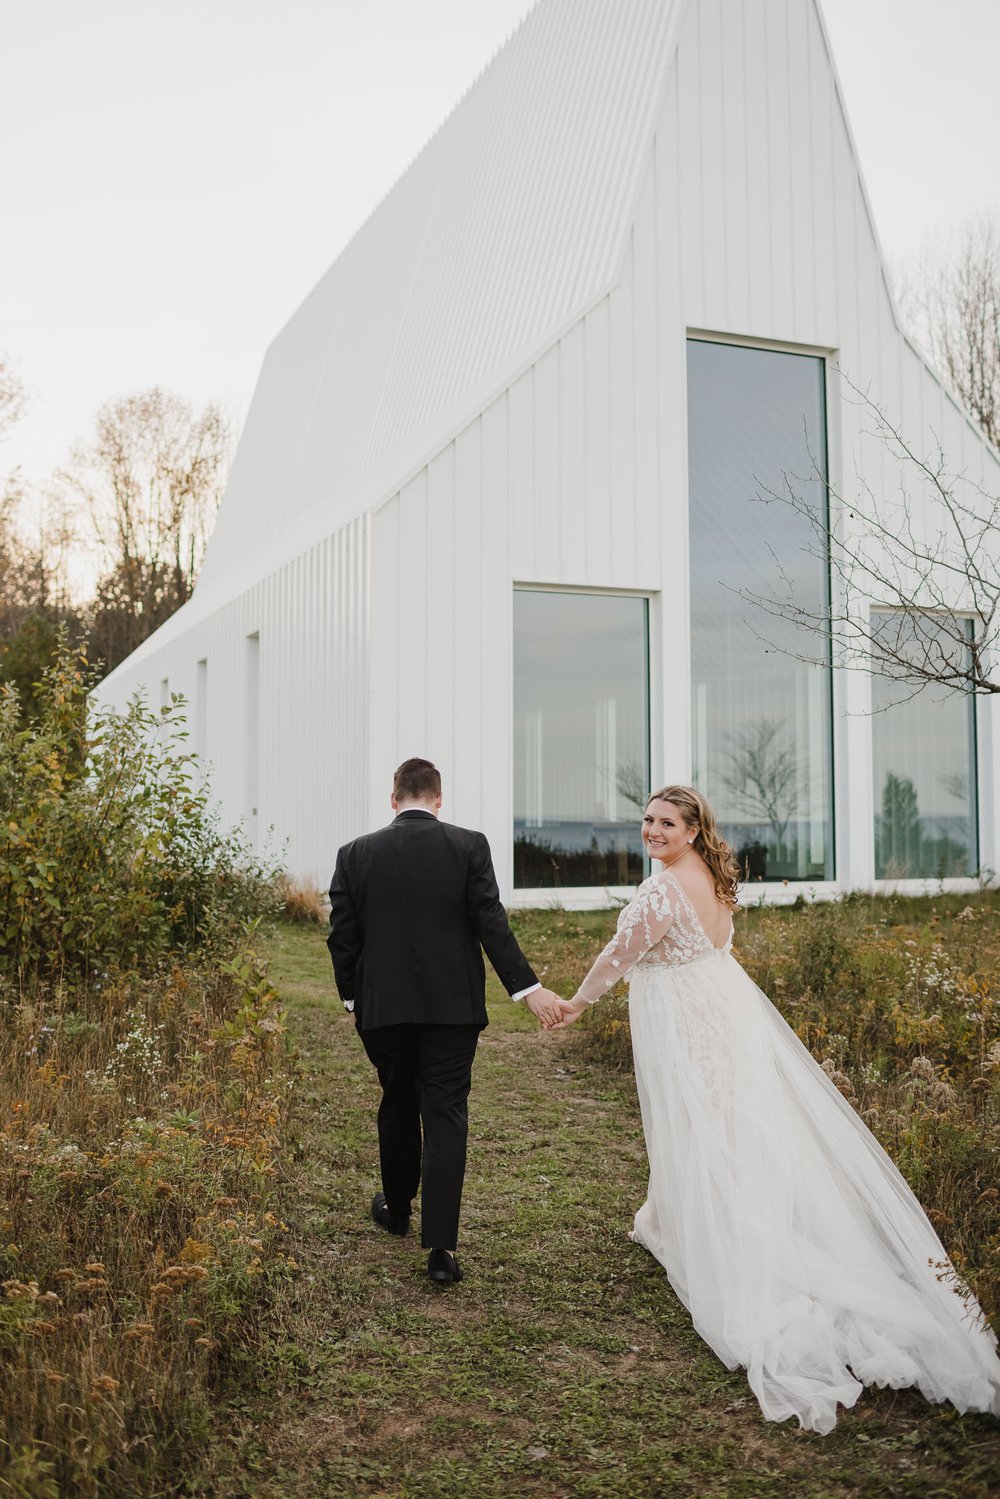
[[763, 774], [35, 609], [18, 565], [951, 300], [915, 575], [150, 479], [11, 394], [631, 783]]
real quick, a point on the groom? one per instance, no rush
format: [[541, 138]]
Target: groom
[[411, 906]]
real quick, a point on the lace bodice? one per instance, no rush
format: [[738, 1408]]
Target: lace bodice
[[659, 927]]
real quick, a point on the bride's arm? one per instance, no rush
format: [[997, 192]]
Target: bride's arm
[[645, 921]]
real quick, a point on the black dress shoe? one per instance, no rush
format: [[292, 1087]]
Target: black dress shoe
[[382, 1216], [442, 1267]]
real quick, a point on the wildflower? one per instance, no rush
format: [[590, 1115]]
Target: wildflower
[[104, 1384], [195, 1252], [95, 1267], [14, 1290], [923, 1067], [210, 1344]]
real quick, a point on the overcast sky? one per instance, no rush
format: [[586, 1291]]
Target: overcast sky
[[174, 177]]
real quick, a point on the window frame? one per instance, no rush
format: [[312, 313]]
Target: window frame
[[925, 884], [782, 891], [589, 897]]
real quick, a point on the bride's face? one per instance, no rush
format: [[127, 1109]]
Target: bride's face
[[664, 831]]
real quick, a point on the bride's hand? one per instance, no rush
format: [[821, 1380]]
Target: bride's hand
[[572, 1010]]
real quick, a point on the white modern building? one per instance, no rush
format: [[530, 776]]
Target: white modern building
[[498, 496]]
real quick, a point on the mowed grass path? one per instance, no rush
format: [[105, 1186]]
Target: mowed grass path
[[563, 1364]]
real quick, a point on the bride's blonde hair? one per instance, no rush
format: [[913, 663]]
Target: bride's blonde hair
[[713, 848]]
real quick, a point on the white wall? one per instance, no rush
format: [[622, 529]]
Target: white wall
[[311, 762]]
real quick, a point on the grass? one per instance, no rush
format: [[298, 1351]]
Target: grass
[[563, 1365], [138, 1130]]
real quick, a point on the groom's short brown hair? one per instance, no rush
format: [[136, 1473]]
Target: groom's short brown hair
[[416, 781]]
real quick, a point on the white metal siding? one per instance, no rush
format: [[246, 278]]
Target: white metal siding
[[310, 765]]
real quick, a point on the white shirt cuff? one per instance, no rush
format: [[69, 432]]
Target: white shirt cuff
[[521, 993], [349, 1005]]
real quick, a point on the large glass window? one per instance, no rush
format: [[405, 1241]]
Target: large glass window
[[924, 755], [762, 718], [581, 738]]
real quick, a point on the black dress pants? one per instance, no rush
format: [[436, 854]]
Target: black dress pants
[[426, 1074]]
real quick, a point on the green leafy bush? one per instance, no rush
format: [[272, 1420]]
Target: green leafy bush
[[110, 855]]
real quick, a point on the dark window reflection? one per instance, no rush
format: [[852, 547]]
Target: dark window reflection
[[924, 751], [581, 739], [762, 720]]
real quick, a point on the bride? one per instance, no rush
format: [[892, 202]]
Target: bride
[[783, 1226]]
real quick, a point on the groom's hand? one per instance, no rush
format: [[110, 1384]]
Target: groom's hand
[[570, 1010], [546, 1007]]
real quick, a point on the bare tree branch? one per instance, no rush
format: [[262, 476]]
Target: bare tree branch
[[915, 600], [151, 479]]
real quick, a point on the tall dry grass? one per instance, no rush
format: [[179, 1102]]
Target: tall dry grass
[[139, 1229]]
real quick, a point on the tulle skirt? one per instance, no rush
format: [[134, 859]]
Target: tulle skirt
[[785, 1229]]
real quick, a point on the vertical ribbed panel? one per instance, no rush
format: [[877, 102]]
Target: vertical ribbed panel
[[312, 720]]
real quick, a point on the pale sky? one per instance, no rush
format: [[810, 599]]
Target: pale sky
[[175, 177]]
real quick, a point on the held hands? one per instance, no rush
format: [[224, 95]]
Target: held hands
[[546, 1007], [551, 1012], [571, 1010]]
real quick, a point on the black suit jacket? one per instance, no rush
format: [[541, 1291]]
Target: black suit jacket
[[411, 908]]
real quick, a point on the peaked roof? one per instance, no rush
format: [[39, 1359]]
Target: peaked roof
[[510, 222]]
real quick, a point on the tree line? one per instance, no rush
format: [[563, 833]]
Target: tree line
[[141, 492]]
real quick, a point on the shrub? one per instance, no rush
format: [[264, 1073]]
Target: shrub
[[110, 856], [299, 901]]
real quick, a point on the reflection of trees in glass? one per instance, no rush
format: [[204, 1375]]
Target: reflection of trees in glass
[[906, 846], [763, 775], [900, 837], [957, 785], [542, 863], [631, 783]]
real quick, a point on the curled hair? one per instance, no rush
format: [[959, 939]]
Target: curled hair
[[713, 848]]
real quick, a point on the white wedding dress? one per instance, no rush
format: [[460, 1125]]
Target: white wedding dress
[[783, 1226]]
